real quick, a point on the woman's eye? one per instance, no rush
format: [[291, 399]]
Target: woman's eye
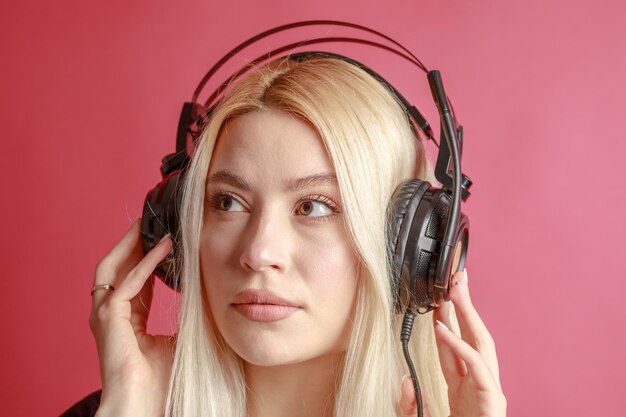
[[312, 208], [226, 202]]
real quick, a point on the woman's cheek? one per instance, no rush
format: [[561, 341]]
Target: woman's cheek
[[220, 239], [332, 262]]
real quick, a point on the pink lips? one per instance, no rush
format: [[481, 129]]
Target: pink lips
[[263, 305]]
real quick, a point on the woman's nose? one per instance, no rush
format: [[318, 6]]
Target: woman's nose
[[266, 245]]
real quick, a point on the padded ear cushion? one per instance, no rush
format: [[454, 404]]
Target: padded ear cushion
[[401, 212]]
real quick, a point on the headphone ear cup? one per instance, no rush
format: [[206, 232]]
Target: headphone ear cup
[[160, 217], [418, 216], [401, 213]]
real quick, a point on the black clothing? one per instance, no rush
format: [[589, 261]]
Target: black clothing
[[86, 407]]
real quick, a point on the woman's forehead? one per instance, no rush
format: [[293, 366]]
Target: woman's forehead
[[271, 145]]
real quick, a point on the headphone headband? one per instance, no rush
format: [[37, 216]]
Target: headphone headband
[[290, 26]]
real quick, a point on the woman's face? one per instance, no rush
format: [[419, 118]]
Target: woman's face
[[276, 260]]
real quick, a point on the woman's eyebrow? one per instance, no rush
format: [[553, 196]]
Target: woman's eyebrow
[[292, 185], [311, 180], [229, 178]]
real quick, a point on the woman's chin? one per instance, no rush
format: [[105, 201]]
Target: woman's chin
[[269, 359], [277, 356]]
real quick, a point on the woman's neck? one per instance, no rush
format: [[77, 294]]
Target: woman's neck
[[305, 389]]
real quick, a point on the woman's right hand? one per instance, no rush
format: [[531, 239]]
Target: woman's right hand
[[134, 365]]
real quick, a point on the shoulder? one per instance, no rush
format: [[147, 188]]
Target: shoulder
[[86, 407]]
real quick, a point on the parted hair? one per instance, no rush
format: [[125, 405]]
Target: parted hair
[[373, 149]]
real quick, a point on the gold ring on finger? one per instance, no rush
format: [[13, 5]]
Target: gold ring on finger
[[102, 287]]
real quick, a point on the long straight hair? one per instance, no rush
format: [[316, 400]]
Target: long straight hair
[[373, 149]]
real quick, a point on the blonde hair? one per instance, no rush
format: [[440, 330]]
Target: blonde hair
[[373, 149]]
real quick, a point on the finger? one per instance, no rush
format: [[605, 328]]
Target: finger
[[118, 262], [451, 365], [473, 329], [140, 307], [442, 313], [408, 402], [477, 368], [461, 277], [465, 282], [130, 302], [134, 282]]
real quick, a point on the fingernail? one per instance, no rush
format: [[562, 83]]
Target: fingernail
[[442, 325], [405, 377], [466, 277], [164, 237]]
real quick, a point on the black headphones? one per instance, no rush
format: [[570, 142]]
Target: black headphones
[[428, 234]]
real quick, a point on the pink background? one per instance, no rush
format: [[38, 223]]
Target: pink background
[[90, 98]]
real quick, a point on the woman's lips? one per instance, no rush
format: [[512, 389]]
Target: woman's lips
[[264, 312], [263, 305]]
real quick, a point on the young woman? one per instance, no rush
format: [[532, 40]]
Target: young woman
[[287, 307]]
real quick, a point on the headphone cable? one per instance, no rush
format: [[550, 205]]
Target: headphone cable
[[405, 336]]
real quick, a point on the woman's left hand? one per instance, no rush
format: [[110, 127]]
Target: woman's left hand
[[469, 363]]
